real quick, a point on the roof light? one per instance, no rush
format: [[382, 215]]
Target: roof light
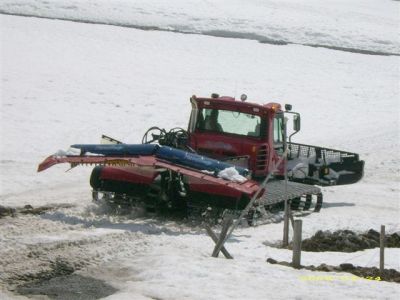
[[255, 109], [214, 95], [243, 97], [288, 107], [206, 102]]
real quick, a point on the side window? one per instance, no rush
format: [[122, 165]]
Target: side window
[[278, 127]]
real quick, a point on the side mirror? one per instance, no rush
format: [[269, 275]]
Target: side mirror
[[296, 122]]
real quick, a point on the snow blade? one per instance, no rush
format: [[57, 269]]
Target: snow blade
[[196, 161], [200, 169], [122, 151], [117, 149]]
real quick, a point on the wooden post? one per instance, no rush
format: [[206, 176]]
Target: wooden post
[[251, 202], [291, 219], [285, 240], [225, 226], [297, 243], [382, 248], [215, 239]]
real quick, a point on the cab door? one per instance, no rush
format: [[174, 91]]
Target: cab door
[[278, 143]]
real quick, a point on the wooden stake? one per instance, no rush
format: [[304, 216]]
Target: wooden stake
[[382, 250], [225, 226], [285, 239], [215, 239], [297, 244], [251, 202], [291, 218]]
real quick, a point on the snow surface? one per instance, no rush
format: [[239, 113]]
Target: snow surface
[[64, 83], [357, 24], [70, 151]]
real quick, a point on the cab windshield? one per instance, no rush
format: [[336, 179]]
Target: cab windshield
[[232, 122]]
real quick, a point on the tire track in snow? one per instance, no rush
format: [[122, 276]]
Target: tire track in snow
[[36, 247], [33, 246]]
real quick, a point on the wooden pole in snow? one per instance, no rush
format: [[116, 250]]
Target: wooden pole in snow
[[382, 250], [285, 241], [297, 243]]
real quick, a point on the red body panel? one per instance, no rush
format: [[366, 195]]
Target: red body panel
[[149, 166], [131, 174], [262, 156], [220, 146]]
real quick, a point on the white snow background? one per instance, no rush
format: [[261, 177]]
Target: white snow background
[[68, 82]]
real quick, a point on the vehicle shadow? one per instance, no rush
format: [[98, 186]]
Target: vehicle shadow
[[336, 204]]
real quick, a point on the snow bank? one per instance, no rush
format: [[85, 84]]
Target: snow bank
[[356, 24]]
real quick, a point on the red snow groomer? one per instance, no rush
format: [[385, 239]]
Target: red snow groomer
[[229, 148]]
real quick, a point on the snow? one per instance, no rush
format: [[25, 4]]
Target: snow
[[298, 167], [74, 152], [357, 24], [69, 152], [64, 83], [231, 174]]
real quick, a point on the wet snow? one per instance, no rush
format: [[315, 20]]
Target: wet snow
[[356, 26], [66, 82]]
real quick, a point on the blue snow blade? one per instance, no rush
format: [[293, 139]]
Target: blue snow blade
[[169, 154], [118, 150], [195, 161]]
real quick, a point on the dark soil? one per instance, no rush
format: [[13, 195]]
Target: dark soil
[[29, 210], [61, 283], [371, 273], [6, 211], [57, 268], [348, 241]]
